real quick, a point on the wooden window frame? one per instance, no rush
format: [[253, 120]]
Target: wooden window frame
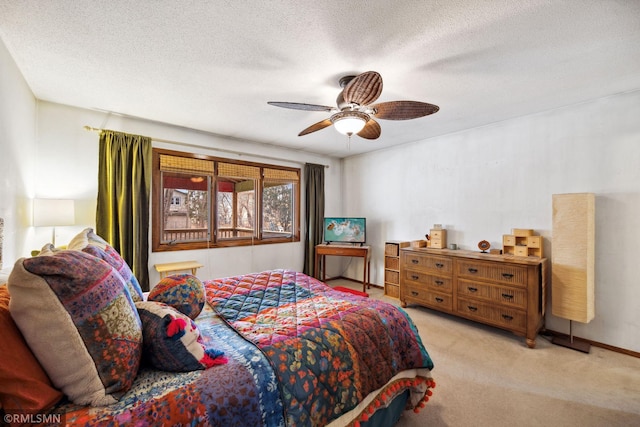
[[213, 241]]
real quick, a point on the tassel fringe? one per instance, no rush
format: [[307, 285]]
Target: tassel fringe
[[391, 391]]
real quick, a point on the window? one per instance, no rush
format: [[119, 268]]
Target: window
[[278, 199], [184, 190], [236, 210], [201, 201]]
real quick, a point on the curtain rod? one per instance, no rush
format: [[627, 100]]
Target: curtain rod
[[223, 150]]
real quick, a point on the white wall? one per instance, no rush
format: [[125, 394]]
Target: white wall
[[68, 159], [17, 158], [483, 182]]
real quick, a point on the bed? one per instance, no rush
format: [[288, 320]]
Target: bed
[[299, 354]]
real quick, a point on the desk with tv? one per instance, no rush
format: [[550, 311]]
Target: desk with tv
[[335, 249]]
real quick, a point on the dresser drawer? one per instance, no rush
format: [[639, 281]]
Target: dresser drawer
[[436, 283], [511, 296], [427, 297], [428, 263], [474, 289], [437, 234], [494, 272], [510, 318]]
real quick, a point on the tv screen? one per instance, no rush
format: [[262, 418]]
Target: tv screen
[[347, 230]]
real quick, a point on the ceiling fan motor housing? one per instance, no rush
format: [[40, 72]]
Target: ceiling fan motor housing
[[342, 104]]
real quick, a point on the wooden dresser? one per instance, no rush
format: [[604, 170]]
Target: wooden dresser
[[499, 290]]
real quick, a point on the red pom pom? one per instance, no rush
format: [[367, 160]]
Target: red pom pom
[[429, 393], [208, 361], [176, 326], [364, 417]]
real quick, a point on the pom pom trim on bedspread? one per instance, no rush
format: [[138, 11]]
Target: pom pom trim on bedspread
[[392, 390]]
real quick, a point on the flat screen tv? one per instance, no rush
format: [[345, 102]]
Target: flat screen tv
[[345, 230]]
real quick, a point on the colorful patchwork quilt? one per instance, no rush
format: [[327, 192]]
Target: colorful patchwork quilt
[[329, 349]]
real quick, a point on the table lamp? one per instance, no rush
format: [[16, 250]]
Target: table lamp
[[53, 213]]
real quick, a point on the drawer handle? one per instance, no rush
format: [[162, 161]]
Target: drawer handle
[[472, 308], [472, 270], [507, 317], [414, 261], [507, 275], [472, 289], [439, 282], [507, 296], [439, 265], [414, 277], [414, 293], [438, 299]]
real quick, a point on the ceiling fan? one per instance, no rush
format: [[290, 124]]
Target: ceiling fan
[[355, 114]]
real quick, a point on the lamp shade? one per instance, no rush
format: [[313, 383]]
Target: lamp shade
[[53, 212], [573, 257]]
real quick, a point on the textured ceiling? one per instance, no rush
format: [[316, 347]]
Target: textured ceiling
[[213, 65]]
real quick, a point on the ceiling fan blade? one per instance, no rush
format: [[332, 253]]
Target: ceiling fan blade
[[301, 106], [403, 110], [371, 130], [363, 89], [317, 126]]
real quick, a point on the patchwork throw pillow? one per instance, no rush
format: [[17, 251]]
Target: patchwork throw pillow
[[184, 292], [91, 243], [79, 320], [85, 238], [171, 340], [24, 385], [114, 259]]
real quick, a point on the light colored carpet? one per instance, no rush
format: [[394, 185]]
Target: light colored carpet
[[489, 377]]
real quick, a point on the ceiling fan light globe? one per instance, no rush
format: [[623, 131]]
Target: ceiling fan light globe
[[349, 122]]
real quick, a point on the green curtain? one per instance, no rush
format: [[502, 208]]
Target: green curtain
[[314, 214], [124, 187]]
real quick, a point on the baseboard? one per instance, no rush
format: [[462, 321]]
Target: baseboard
[[593, 343]]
